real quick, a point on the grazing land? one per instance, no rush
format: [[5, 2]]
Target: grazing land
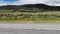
[[34, 17]]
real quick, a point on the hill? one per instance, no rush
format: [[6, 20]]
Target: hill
[[30, 7]]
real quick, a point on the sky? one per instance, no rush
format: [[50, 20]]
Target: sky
[[21, 2]]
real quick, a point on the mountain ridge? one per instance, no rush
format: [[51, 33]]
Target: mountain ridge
[[30, 6]]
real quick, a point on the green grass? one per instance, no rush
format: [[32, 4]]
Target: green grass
[[33, 20], [35, 17]]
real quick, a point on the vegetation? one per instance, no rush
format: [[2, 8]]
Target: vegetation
[[40, 17], [30, 13]]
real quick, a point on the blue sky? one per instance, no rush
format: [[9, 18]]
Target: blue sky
[[9, 1], [20, 2]]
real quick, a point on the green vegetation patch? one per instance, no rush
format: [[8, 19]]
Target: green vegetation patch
[[35, 17]]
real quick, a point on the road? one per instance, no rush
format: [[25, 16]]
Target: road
[[29, 28], [24, 31], [32, 26]]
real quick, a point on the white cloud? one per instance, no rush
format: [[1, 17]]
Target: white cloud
[[19, 2], [57, 4], [53, 2], [2, 3], [32, 1]]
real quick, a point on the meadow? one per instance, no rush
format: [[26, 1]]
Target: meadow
[[26, 16]]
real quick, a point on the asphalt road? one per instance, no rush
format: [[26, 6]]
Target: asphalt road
[[27, 31], [32, 26], [29, 28]]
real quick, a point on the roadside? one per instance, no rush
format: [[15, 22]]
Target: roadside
[[30, 22]]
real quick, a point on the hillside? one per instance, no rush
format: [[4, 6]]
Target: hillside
[[30, 7]]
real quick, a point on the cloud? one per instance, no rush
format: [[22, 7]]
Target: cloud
[[2, 3], [53, 2], [32, 1], [20, 2]]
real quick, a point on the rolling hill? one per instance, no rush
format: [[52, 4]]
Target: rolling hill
[[30, 7]]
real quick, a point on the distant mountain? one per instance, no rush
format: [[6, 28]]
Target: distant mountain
[[30, 6]]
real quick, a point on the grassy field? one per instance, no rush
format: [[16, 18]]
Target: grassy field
[[30, 17]]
